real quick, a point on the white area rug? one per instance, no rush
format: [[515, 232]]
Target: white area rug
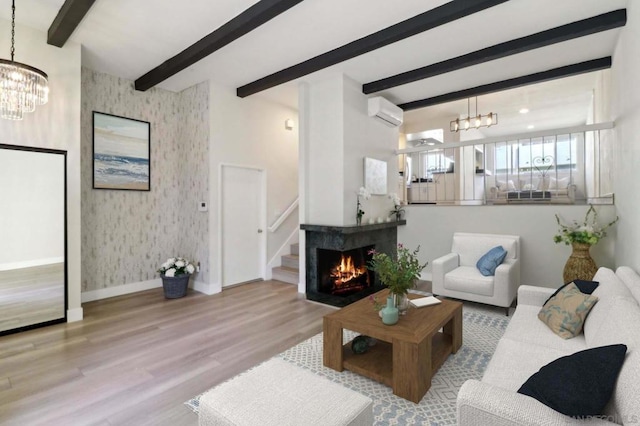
[[482, 328]]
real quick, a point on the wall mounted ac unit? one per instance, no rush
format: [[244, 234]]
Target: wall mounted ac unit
[[385, 111]]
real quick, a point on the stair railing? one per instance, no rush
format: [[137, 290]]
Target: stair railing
[[274, 227]]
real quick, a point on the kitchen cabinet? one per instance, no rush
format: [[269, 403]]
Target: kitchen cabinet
[[445, 186], [440, 188], [422, 192]]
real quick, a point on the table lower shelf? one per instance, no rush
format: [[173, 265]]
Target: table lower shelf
[[377, 363]]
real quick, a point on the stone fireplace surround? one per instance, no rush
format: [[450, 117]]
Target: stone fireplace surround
[[383, 236]]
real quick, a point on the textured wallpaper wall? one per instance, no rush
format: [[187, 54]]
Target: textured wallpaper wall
[[193, 153], [126, 235]]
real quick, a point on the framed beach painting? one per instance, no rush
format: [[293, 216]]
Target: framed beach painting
[[121, 153]]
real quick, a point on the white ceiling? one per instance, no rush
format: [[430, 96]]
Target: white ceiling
[[551, 105], [128, 38]]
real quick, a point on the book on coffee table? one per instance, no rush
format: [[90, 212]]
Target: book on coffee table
[[424, 301]]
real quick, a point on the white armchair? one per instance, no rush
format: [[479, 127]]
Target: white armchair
[[455, 274]]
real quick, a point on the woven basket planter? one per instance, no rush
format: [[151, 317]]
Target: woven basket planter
[[175, 287], [580, 265]]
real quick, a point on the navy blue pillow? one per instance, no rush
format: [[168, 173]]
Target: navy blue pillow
[[580, 384], [488, 263], [586, 287]]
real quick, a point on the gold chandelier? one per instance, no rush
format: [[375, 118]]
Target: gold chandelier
[[22, 87], [474, 122]]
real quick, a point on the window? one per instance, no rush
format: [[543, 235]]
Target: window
[[537, 155], [434, 161], [560, 168]]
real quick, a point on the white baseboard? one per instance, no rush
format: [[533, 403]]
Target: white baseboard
[[31, 263], [75, 314], [105, 293], [205, 288]]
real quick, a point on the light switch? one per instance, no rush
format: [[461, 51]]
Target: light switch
[[202, 206]]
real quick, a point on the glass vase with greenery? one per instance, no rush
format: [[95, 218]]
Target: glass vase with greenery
[[398, 272]]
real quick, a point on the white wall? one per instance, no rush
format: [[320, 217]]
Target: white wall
[[54, 125], [626, 113], [339, 136], [366, 136], [432, 227], [335, 135], [326, 183], [251, 132], [33, 215]]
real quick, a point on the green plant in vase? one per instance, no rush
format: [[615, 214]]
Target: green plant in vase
[[398, 272], [581, 236]]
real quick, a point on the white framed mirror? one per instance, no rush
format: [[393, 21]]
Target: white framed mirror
[[375, 176], [33, 268]]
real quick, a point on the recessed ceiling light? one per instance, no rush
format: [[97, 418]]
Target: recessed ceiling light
[[524, 110], [530, 126]]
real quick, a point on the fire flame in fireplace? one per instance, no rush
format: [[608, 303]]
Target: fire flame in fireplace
[[346, 273]]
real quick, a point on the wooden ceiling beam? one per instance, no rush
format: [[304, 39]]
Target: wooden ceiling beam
[[540, 77], [261, 12], [433, 18], [604, 22], [67, 20]]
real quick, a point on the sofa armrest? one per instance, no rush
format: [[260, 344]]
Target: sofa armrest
[[481, 404], [440, 267], [532, 295], [507, 281]]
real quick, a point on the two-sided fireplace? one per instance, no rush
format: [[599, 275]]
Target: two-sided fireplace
[[337, 257]]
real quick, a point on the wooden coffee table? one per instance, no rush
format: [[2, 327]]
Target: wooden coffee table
[[407, 354]]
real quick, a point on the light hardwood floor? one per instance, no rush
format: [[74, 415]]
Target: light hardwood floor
[[31, 296], [135, 359]]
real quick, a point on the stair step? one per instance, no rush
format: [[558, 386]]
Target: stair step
[[284, 274], [295, 249], [291, 261]]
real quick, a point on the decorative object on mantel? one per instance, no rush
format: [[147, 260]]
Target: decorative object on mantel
[[475, 122], [22, 87], [397, 203], [175, 273], [364, 193], [399, 273], [581, 236]]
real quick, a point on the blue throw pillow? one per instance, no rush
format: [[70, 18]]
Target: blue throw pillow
[[580, 384], [489, 262]]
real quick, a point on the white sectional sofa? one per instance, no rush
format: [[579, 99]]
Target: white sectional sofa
[[528, 189], [528, 344]]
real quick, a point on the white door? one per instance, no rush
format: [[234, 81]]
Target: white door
[[242, 230]]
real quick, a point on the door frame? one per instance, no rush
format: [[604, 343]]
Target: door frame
[[262, 217]]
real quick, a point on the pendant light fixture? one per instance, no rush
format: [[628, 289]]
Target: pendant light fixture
[[22, 87], [475, 122]]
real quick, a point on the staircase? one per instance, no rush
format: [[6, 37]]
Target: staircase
[[289, 272]]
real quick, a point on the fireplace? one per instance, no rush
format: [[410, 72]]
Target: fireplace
[[336, 260], [344, 273]]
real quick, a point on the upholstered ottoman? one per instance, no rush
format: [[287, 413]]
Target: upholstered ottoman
[[280, 393]]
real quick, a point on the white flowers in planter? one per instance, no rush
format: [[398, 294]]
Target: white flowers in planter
[[176, 266]]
